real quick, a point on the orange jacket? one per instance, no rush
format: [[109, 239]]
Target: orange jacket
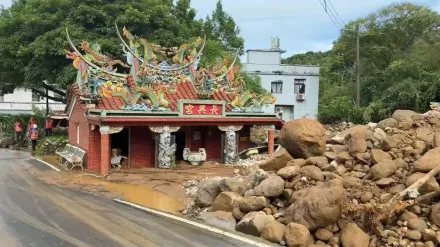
[[48, 123], [34, 134], [17, 127]]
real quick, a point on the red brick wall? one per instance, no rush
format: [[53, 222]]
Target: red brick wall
[[105, 154], [78, 119], [213, 143], [142, 149], [94, 154], [245, 132]]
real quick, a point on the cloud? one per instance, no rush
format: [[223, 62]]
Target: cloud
[[301, 25]]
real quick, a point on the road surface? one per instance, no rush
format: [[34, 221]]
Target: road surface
[[33, 213]]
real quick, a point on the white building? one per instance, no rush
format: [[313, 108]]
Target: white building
[[296, 87], [21, 101]]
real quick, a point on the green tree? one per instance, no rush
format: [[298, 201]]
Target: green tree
[[33, 37], [221, 26], [399, 65]]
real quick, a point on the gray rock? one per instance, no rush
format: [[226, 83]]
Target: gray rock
[[219, 219], [317, 206], [253, 203], [414, 235], [312, 172], [289, 172], [272, 186], [254, 222], [207, 191]]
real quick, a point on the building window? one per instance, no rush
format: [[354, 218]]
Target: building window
[[300, 86], [197, 136], [77, 134], [35, 97], [277, 87]]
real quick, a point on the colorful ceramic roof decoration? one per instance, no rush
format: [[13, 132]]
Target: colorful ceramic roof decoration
[[158, 77]]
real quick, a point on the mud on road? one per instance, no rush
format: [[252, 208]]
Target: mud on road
[[33, 213]]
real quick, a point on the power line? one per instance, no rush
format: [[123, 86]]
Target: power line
[[335, 11], [334, 16], [325, 9]]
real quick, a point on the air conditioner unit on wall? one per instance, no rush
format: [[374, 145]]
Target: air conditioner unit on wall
[[278, 109], [300, 97]]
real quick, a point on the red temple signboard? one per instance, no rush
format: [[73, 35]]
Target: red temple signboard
[[202, 109]]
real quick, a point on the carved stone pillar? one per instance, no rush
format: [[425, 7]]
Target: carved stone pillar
[[230, 145], [166, 150]]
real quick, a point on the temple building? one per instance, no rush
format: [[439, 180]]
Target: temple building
[[158, 106]]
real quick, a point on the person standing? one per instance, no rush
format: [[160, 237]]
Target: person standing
[[31, 123], [34, 137], [48, 126], [17, 129]]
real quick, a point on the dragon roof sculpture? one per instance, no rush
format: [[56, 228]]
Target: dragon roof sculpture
[[156, 72]]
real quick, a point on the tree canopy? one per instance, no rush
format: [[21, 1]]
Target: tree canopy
[[400, 68], [33, 37]]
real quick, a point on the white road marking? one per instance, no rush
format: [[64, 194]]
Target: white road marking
[[49, 165], [205, 227]]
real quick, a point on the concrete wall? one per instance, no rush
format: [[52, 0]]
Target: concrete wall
[[20, 101], [287, 74], [259, 57]]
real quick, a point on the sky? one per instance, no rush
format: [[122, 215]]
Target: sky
[[301, 25]]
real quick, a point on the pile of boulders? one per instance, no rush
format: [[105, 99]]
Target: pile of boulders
[[302, 195]]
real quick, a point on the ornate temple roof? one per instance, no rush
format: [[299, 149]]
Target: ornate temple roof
[[159, 78]]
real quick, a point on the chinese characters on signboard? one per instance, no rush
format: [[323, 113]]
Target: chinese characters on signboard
[[202, 109]]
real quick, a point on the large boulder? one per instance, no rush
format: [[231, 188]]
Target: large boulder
[[353, 236], [357, 144], [383, 169], [404, 115], [289, 172], [377, 155], [429, 186], [297, 235], [389, 142], [254, 222], [312, 172], [434, 217], [428, 161], [272, 186], [233, 185], [425, 134], [226, 201], [361, 130], [253, 203], [277, 161], [219, 219], [303, 138], [274, 232], [207, 191], [387, 123], [317, 206], [436, 141]]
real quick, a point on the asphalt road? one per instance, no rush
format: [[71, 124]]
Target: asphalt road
[[33, 213]]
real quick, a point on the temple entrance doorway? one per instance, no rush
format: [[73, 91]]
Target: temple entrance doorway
[[120, 144], [180, 139]]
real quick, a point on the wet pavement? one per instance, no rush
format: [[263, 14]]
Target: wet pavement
[[33, 213]]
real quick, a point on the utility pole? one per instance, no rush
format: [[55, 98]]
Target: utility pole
[[47, 102], [358, 79]]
